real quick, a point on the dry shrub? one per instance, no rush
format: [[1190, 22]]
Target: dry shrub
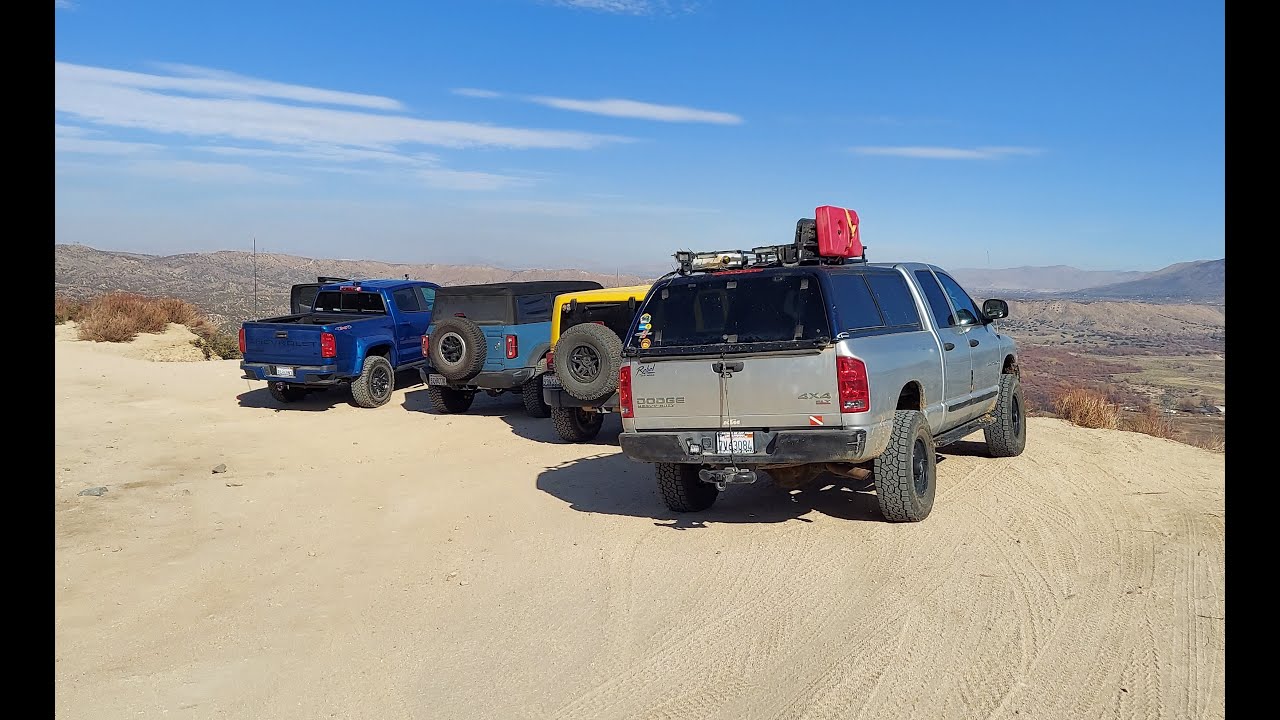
[[120, 316], [1150, 422], [66, 309], [1088, 408]]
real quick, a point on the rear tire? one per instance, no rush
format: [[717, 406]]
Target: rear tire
[[286, 393], [457, 349], [448, 401], [587, 360], [906, 473], [531, 392], [377, 379], [575, 425], [1008, 435], [681, 489]]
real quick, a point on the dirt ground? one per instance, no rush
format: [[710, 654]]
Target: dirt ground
[[394, 563]]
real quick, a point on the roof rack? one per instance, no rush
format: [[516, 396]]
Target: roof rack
[[829, 238]]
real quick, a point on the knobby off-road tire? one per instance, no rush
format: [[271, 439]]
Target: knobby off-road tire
[[681, 489], [576, 425], [377, 380], [447, 400], [906, 473], [457, 349], [286, 393], [1008, 435], [531, 393], [588, 358]]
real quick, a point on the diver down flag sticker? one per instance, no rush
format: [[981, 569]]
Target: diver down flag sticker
[[815, 419]]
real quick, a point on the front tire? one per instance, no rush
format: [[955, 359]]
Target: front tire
[[377, 379], [449, 401], [286, 393], [681, 489], [906, 473], [1008, 435], [576, 425], [531, 393]]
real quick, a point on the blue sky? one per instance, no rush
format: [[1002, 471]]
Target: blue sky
[[609, 133]]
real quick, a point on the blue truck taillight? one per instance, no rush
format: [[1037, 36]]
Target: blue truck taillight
[[426, 344], [328, 345], [513, 347], [242, 341]]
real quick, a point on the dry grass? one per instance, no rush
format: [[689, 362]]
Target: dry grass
[[66, 309], [121, 316], [1088, 408], [1151, 422]]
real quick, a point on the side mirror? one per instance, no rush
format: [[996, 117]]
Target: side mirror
[[995, 309]]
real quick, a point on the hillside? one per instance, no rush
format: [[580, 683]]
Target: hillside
[[1200, 282], [1050, 279], [222, 283]]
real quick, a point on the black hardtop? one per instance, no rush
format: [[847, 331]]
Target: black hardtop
[[512, 289]]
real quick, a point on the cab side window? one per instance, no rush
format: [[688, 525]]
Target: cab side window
[[936, 298], [967, 312], [427, 298], [406, 300]]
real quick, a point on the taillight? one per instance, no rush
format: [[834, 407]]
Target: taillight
[[851, 379], [426, 344], [625, 405], [328, 345], [241, 341], [513, 347], [551, 360]]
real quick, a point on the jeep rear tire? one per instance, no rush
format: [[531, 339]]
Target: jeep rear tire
[[682, 490], [587, 360], [531, 393], [906, 473], [1008, 435], [457, 349], [576, 425], [374, 385], [286, 393], [447, 400]]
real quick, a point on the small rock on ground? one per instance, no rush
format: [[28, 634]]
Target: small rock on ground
[[94, 491], [220, 468]]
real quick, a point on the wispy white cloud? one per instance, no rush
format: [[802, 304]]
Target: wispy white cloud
[[63, 5], [325, 154], [476, 93], [237, 109], [617, 107], [469, 180], [92, 146], [630, 7], [946, 153]]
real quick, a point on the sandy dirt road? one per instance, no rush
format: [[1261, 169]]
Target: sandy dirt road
[[394, 563]]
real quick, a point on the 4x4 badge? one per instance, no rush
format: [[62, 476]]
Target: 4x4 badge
[[814, 396]]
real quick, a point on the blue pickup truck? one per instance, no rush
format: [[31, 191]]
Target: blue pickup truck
[[493, 338], [359, 332]]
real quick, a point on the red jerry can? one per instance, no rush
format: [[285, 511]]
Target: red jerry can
[[837, 230]]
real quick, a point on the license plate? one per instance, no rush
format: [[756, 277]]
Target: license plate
[[551, 381], [284, 371], [736, 442], [437, 380]]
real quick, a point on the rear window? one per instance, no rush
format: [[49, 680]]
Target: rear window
[[491, 309], [350, 302], [734, 309], [533, 308]]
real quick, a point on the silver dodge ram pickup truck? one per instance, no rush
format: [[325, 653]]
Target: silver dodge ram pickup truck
[[779, 360]]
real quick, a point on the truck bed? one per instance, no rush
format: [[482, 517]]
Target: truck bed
[[314, 318]]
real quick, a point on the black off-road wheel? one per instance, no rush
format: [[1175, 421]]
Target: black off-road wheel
[[286, 393], [457, 349], [681, 489], [448, 401], [531, 393], [373, 388], [576, 425], [1008, 435], [906, 473], [588, 358]]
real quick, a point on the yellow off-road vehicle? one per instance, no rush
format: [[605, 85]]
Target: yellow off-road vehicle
[[581, 382]]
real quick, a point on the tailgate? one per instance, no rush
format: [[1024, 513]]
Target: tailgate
[[777, 390], [283, 344], [495, 359]]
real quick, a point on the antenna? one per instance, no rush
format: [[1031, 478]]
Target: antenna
[[255, 276]]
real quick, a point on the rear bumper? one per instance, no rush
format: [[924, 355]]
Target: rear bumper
[[496, 380], [556, 397], [316, 375], [782, 447]]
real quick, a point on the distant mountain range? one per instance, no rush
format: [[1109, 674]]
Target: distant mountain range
[[222, 283], [1200, 281]]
